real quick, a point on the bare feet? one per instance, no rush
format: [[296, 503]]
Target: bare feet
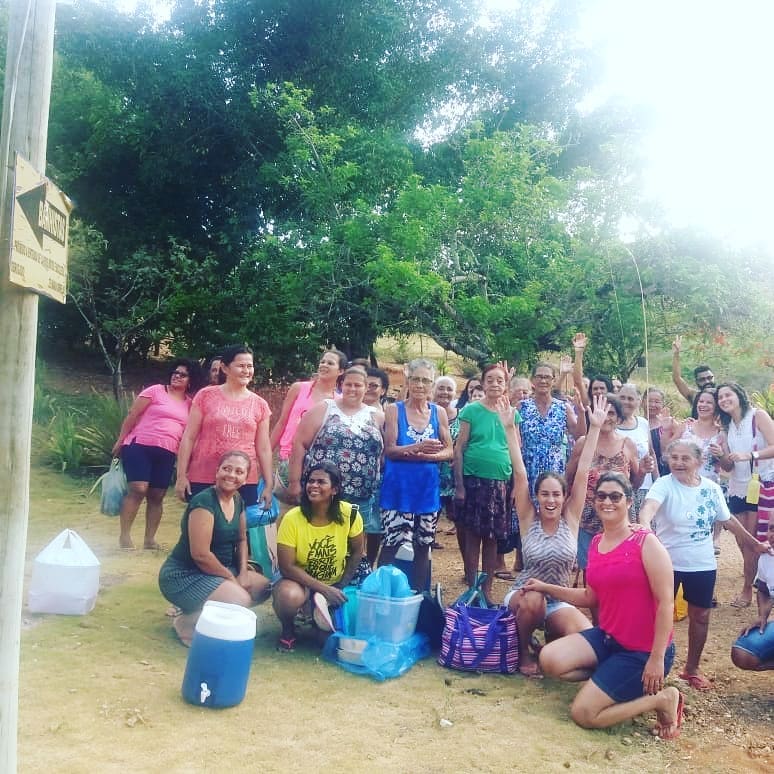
[[670, 717], [126, 543], [184, 627], [743, 600], [152, 546], [530, 668]]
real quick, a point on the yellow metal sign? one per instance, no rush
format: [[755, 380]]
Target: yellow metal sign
[[41, 226]]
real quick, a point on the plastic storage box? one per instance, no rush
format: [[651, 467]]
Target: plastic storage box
[[392, 619]]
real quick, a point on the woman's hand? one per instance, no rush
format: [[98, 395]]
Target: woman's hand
[[598, 416], [565, 364], [716, 450], [740, 456], [459, 494], [579, 341], [758, 623], [428, 446], [653, 675], [534, 585], [505, 412], [294, 492], [509, 372], [116, 450], [647, 464], [333, 596], [266, 496], [677, 345], [182, 486]]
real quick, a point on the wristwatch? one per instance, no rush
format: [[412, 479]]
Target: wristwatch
[[755, 455]]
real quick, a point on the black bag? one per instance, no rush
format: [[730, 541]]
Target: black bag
[[431, 618]]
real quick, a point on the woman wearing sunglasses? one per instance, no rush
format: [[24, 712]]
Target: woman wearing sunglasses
[[148, 442], [626, 657]]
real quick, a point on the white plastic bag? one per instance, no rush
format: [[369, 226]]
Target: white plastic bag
[[65, 577]]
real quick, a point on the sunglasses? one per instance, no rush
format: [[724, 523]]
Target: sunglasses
[[614, 497]]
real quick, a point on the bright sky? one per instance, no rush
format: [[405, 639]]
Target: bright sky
[[704, 68]]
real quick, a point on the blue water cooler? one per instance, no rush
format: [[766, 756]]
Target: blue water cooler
[[219, 659]]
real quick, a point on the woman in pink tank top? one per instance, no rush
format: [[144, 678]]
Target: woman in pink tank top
[[626, 658]]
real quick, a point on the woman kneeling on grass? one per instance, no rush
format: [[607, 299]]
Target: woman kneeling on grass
[[209, 561], [319, 546], [625, 658]]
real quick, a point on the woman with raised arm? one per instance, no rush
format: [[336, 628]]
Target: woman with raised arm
[[550, 545], [597, 385], [626, 658], [615, 453]]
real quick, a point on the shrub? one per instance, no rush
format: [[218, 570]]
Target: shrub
[[64, 448]]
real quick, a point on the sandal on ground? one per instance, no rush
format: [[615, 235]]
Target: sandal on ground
[[740, 603], [505, 575], [697, 681], [436, 546], [173, 611], [321, 614], [286, 645], [678, 724], [452, 531]]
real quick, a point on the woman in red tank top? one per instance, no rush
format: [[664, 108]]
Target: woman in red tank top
[[626, 658]]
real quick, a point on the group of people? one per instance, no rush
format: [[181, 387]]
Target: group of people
[[578, 481]]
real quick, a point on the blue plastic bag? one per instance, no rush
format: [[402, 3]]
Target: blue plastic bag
[[381, 660], [114, 487], [257, 515], [387, 581]]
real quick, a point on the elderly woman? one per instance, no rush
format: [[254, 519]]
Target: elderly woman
[[683, 507], [346, 432], [626, 658], [637, 428], [224, 418], [550, 546], [320, 544], [209, 561], [301, 397], [484, 457], [148, 442], [750, 439], [416, 440]]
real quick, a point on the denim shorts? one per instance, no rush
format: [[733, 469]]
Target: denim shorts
[[619, 671], [760, 645], [372, 516]]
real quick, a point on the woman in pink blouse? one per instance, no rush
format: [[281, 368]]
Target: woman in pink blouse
[[227, 417], [147, 443]]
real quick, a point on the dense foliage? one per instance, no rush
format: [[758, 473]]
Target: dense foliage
[[295, 173]]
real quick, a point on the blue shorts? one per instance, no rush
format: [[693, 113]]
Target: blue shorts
[[148, 463], [698, 587], [249, 492], [619, 671], [760, 645], [740, 505]]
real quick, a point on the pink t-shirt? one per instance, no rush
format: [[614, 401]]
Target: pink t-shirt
[[627, 607], [226, 425], [163, 422], [300, 406]]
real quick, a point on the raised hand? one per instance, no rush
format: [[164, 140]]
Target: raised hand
[[598, 415], [565, 364], [579, 341], [509, 372], [677, 345], [505, 412]]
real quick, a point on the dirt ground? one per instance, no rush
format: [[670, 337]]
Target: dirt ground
[[102, 691]]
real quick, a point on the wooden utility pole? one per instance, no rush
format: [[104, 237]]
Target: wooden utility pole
[[24, 129]]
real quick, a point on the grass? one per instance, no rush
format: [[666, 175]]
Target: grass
[[102, 691]]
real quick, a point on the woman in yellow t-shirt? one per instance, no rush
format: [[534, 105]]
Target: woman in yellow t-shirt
[[319, 546]]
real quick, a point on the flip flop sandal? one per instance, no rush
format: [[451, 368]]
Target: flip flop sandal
[[286, 645], [505, 575], [678, 722], [697, 682], [740, 604], [173, 611]]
